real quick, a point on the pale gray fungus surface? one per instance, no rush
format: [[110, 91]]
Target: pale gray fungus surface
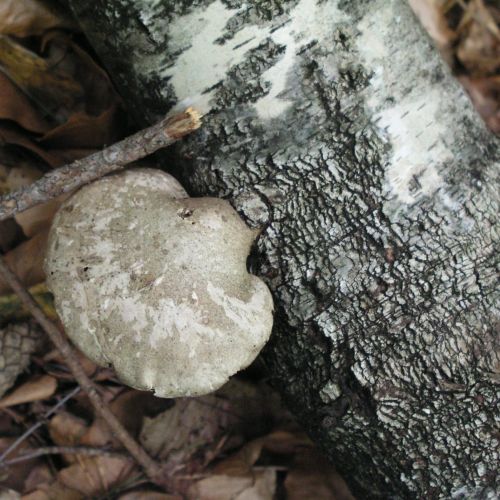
[[155, 283]]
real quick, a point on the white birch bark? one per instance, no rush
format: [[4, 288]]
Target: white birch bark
[[335, 127]]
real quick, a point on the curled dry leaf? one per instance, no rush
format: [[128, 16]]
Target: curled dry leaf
[[479, 46], [16, 107], [14, 477], [190, 429], [431, 16], [37, 389], [95, 475], [31, 17], [12, 135], [7, 494], [53, 491], [11, 308], [26, 260], [485, 93], [312, 476], [35, 219], [260, 485], [66, 429], [52, 89], [148, 495]]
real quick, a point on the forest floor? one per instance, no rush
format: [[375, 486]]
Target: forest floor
[[57, 104]]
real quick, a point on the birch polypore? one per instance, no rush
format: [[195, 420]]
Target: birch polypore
[[155, 283]]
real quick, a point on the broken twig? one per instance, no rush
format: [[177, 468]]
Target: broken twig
[[70, 177], [64, 450], [153, 470], [38, 424]]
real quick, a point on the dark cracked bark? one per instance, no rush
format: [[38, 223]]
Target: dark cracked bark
[[335, 126]]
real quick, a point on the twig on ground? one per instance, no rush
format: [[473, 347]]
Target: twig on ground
[[64, 450], [34, 427], [70, 177], [152, 469]]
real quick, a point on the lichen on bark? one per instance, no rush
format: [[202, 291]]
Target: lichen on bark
[[337, 129]]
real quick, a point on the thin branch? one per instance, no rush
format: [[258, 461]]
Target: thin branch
[[70, 177], [64, 450], [152, 469], [34, 427]]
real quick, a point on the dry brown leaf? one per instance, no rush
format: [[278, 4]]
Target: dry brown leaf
[[479, 48], [66, 429], [84, 132], [95, 475], [15, 106], [312, 476], [35, 219], [40, 474], [192, 427], [89, 367], [485, 93], [148, 495], [10, 234], [39, 218], [34, 390], [129, 407], [7, 494], [41, 79], [11, 135], [260, 485], [30, 17], [14, 477], [53, 491], [26, 261], [431, 17]]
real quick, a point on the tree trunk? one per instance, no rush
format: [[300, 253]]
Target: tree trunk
[[335, 127]]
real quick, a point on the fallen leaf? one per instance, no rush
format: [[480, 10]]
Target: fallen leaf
[[31, 17], [191, 428], [148, 495], [15, 475], [11, 308], [53, 90], [15, 106], [95, 475], [10, 233], [312, 476], [485, 94], [66, 429], [13, 136], [38, 219], [430, 15], [34, 390], [479, 46], [6, 494], [39, 474], [35, 219], [89, 367], [26, 261], [129, 407], [260, 485], [54, 491], [84, 133]]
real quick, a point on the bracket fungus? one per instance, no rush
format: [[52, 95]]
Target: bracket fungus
[[155, 284]]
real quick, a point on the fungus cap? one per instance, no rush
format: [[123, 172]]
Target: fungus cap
[[155, 284]]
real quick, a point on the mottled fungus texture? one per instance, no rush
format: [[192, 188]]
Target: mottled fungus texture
[[155, 284]]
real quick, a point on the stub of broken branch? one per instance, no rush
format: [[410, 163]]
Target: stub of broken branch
[[90, 168]]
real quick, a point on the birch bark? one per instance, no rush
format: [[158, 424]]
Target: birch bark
[[335, 127]]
